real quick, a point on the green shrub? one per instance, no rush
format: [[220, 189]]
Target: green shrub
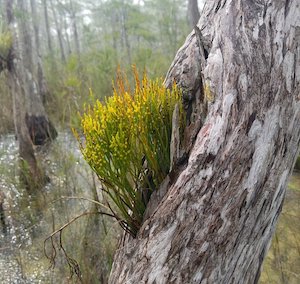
[[127, 144]]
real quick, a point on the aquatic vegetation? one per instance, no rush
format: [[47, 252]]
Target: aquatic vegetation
[[127, 144]]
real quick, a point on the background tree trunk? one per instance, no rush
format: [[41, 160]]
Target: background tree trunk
[[125, 36], [193, 13], [75, 30], [215, 223], [41, 80], [47, 26], [65, 27], [31, 123], [59, 34], [31, 174], [40, 128]]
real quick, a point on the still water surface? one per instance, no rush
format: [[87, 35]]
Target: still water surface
[[30, 219]]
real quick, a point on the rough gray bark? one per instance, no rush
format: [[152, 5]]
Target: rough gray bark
[[217, 218], [193, 13]]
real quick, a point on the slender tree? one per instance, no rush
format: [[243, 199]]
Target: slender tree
[[65, 26], [75, 29], [3, 14], [47, 25], [16, 83], [125, 36], [40, 128], [193, 13], [240, 76], [41, 80], [59, 33]]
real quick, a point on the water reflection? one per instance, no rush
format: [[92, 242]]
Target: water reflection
[[30, 219]]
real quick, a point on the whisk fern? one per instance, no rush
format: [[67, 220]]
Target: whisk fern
[[127, 144]]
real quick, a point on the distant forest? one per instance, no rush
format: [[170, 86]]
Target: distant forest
[[80, 44]]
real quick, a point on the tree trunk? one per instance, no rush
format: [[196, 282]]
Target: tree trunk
[[40, 128], [2, 13], [65, 26], [216, 220], [75, 30], [41, 80], [31, 123], [193, 13], [125, 36], [31, 174], [59, 34], [49, 40]]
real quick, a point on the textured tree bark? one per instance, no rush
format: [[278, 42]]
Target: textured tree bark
[[215, 223]]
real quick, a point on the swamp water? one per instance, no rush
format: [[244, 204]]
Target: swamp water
[[29, 220], [91, 240]]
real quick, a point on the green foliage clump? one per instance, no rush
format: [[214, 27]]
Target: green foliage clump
[[5, 44], [127, 144]]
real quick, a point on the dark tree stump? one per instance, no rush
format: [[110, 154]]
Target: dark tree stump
[[40, 129]]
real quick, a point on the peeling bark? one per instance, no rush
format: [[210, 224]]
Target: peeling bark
[[216, 220]]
